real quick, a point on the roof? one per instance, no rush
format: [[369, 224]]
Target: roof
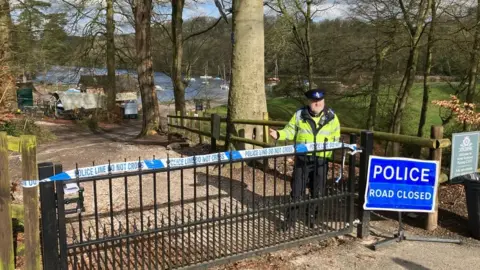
[[124, 83]]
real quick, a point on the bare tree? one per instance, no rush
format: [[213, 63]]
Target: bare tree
[[7, 82], [414, 15], [142, 10], [178, 40], [299, 15], [110, 35], [428, 68], [380, 30], [474, 58]]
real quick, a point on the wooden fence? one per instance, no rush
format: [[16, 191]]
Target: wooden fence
[[197, 127], [27, 146]]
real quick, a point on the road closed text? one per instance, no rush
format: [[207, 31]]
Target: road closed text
[[400, 194]]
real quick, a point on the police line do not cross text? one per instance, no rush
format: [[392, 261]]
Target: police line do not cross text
[[401, 184]]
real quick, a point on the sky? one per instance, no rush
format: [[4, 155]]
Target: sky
[[329, 10]]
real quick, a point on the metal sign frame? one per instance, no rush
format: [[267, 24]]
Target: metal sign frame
[[456, 136]]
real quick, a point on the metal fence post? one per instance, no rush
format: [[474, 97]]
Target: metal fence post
[[366, 142], [48, 234], [351, 183], [62, 230]]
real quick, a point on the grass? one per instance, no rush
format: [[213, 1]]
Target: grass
[[353, 111], [27, 126]]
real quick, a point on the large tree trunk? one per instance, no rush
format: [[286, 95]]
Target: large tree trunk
[[247, 95], [426, 74], [309, 45], [111, 92], [177, 35], [8, 97], [380, 54], [151, 116]]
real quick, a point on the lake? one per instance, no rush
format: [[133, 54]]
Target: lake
[[196, 89]]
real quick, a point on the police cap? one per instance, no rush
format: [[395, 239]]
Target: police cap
[[315, 94]]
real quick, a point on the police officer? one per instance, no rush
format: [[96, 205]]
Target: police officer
[[314, 123]]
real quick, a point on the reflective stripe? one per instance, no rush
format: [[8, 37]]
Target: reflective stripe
[[303, 131], [325, 132], [289, 134]]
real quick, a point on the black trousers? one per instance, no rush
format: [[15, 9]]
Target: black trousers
[[308, 172]]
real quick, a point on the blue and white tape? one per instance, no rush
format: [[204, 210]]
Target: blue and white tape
[[155, 164]]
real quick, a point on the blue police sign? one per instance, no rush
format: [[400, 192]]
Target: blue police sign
[[401, 184]]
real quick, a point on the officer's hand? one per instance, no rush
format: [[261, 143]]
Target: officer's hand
[[273, 133]]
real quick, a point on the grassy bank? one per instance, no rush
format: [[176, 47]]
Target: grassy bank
[[353, 111]]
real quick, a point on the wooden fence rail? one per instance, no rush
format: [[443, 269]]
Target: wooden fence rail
[[430, 143], [435, 143]]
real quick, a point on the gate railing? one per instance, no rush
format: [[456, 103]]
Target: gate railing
[[191, 124], [205, 213]]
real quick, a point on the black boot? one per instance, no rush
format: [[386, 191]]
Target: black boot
[[290, 218], [311, 215]]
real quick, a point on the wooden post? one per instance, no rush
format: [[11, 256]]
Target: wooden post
[[178, 122], [200, 127], [205, 126], [189, 125], [265, 128], [30, 201], [169, 128], [6, 243], [436, 132], [215, 131]]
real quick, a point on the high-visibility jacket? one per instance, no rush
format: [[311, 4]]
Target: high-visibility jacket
[[303, 128]]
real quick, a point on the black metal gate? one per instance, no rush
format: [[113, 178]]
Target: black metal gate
[[188, 217]]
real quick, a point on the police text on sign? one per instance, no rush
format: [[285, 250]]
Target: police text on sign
[[401, 184]]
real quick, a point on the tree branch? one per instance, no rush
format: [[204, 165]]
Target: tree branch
[[406, 17], [203, 31]]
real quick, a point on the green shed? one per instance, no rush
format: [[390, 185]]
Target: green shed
[[24, 97]]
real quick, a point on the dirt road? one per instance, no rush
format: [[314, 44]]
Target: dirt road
[[348, 253]]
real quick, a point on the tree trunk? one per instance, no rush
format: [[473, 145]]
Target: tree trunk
[[410, 72], [309, 45], [177, 35], [372, 110], [403, 96], [247, 95], [151, 116], [111, 92], [8, 97], [472, 73], [426, 74]]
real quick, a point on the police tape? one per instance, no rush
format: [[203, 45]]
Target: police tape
[[176, 163]]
